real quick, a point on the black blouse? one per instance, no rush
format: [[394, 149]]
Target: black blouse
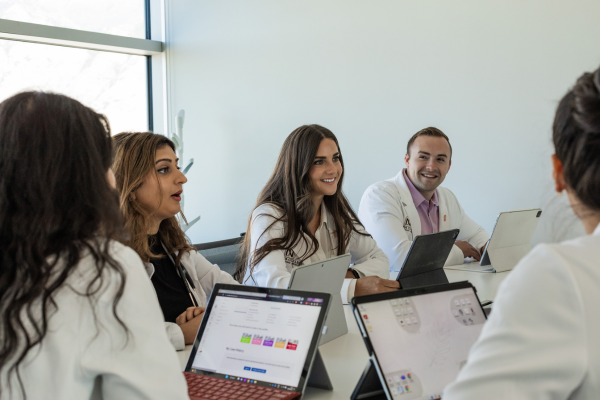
[[173, 296]]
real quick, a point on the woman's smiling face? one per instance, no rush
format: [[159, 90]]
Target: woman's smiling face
[[326, 171], [162, 196]]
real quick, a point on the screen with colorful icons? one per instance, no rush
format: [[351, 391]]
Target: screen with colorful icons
[[421, 342], [258, 338]]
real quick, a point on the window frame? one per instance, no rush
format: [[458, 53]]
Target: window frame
[[152, 49]]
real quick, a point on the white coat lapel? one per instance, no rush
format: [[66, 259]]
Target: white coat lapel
[[444, 217], [408, 205]]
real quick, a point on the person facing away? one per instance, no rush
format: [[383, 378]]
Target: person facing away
[[413, 203], [150, 185], [79, 319], [541, 340], [302, 217]]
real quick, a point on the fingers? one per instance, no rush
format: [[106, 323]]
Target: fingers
[[392, 285], [198, 311], [181, 319], [189, 313]]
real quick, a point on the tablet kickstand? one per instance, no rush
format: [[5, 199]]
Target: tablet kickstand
[[319, 378], [369, 385]]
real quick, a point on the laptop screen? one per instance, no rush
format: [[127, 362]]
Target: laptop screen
[[258, 338], [421, 342]]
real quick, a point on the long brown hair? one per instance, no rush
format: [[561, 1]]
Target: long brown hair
[[289, 189], [134, 161]]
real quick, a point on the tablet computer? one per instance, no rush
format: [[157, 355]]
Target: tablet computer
[[418, 339], [327, 277], [424, 263]]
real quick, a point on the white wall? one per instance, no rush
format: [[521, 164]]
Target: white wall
[[488, 73]]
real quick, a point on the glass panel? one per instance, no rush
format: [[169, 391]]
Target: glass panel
[[112, 84], [117, 17]]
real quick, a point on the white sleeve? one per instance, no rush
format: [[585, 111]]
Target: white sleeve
[[367, 257], [382, 217], [271, 271], [471, 232], [140, 364], [175, 335], [533, 345], [209, 274]]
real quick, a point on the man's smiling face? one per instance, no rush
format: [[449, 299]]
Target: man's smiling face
[[428, 163]]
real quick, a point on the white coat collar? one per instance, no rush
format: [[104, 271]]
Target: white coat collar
[[597, 231], [408, 203]]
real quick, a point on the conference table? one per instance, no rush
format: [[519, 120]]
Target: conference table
[[346, 357]]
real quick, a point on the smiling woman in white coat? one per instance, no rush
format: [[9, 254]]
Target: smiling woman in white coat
[[150, 185], [78, 317], [542, 341], [302, 216]]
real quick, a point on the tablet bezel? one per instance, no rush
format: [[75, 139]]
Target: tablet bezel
[[310, 356], [356, 301]]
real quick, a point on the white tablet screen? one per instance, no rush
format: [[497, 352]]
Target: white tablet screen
[[421, 342]]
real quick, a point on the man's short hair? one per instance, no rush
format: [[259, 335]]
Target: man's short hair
[[431, 131]]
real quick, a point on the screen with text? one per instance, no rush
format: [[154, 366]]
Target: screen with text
[[258, 338], [421, 342]]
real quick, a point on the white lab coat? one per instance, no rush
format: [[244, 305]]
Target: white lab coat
[[275, 269], [541, 340], [389, 214], [204, 275], [84, 358]]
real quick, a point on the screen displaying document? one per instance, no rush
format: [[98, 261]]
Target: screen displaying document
[[258, 337]]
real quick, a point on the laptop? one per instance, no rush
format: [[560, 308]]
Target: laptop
[[418, 339], [257, 342], [510, 242], [325, 276], [424, 263]]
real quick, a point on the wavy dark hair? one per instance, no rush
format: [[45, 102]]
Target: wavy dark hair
[[576, 137], [289, 188], [56, 206], [134, 161]]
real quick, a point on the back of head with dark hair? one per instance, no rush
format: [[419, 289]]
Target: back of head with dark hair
[[431, 131], [55, 204], [576, 137]]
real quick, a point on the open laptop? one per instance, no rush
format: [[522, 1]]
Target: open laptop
[[510, 242], [424, 263], [325, 276], [257, 342], [418, 339]]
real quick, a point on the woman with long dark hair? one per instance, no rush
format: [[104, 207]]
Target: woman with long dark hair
[[541, 341], [78, 316], [302, 216], [150, 185]]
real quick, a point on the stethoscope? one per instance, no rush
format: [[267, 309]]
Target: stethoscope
[[184, 275]]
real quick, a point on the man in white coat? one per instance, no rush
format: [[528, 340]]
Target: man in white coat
[[412, 203]]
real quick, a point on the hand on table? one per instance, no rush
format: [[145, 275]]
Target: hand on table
[[468, 250], [374, 284], [189, 322]]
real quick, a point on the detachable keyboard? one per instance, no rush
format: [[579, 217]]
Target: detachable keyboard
[[202, 387]]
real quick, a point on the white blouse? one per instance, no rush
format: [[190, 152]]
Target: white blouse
[[85, 358], [542, 340], [275, 269]]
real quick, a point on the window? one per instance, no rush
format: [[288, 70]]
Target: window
[[94, 52]]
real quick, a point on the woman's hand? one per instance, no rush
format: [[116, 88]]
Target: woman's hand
[[189, 314], [189, 322], [374, 284]]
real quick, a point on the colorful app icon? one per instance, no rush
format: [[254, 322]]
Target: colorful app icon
[[246, 338]]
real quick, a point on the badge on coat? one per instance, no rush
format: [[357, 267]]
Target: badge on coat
[[407, 226], [292, 258]]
